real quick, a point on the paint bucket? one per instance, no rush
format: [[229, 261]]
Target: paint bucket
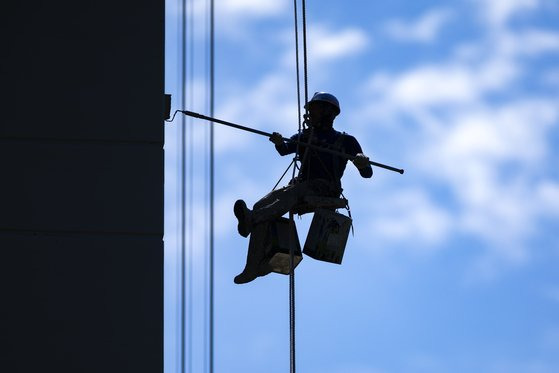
[[280, 235], [327, 236]]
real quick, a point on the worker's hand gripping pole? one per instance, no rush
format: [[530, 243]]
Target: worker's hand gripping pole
[[267, 134]]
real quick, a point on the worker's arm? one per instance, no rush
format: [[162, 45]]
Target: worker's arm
[[361, 161], [283, 147]]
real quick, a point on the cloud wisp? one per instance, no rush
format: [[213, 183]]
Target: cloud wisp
[[327, 44], [497, 13], [489, 137], [425, 29]]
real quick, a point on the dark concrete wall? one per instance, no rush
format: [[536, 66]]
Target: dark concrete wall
[[81, 186]]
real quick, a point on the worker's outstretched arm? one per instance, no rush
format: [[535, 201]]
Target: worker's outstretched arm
[[361, 161], [283, 147], [276, 138]]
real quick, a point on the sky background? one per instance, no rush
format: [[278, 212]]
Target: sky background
[[453, 266]]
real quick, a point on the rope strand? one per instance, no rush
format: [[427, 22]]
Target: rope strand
[[305, 64], [300, 122]]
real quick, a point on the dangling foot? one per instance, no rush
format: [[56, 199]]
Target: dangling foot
[[243, 215], [245, 277], [251, 274], [256, 264]]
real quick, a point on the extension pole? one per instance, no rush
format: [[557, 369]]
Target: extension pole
[[267, 134]]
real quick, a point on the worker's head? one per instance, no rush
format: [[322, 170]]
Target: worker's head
[[323, 108]]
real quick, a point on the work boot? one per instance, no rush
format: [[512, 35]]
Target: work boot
[[250, 274], [256, 263], [244, 216], [245, 277]]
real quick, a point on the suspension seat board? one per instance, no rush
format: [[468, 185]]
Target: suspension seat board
[[326, 202], [312, 203]]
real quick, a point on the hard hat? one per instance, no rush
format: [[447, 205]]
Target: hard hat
[[325, 97]]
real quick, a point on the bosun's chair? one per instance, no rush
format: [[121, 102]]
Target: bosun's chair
[[325, 241]]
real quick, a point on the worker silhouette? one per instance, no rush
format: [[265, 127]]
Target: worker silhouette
[[320, 175]]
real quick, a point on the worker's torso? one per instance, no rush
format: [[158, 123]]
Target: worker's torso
[[322, 165]]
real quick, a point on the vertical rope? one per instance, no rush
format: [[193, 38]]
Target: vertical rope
[[212, 180], [183, 193], [209, 219], [292, 294], [297, 68], [305, 64], [291, 248], [291, 219], [305, 77], [191, 174], [292, 356]]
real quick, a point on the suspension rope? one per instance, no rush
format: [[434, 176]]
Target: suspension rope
[[283, 175], [291, 221], [183, 192], [300, 122], [305, 64], [212, 186], [297, 65]]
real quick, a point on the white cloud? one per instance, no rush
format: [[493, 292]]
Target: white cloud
[[547, 194], [425, 29], [251, 7], [498, 12], [429, 85], [471, 154], [409, 216], [231, 16], [326, 44], [235, 19], [269, 106], [530, 42], [473, 129], [513, 132], [443, 84], [473, 72]]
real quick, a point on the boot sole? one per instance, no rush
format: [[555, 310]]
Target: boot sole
[[244, 278], [239, 209]]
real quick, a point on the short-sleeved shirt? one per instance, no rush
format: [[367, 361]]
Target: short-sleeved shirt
[[322, 165]]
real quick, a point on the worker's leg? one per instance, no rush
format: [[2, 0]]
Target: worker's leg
[[278, 202], [271, 206], [255, 264]]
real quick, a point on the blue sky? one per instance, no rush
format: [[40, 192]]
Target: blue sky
[[453, 266]]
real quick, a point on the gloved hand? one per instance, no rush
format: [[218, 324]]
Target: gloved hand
[[361, 161], [276, 138]]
